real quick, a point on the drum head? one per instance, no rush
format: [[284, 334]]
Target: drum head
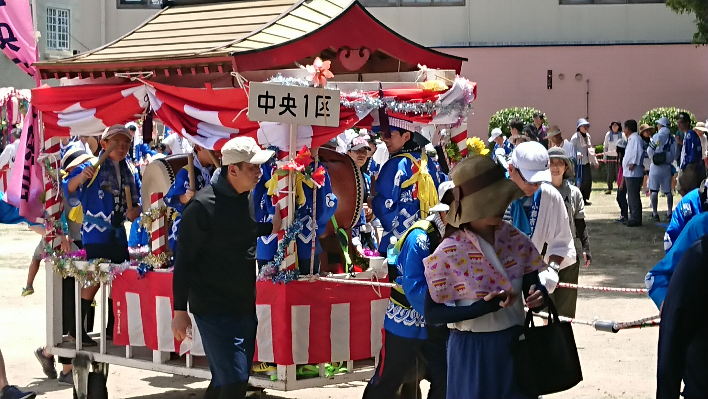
[[159, 175], [347, 184]]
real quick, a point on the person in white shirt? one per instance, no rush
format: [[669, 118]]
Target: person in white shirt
[[585, 158], [177, 144], [609, 150], [541, 214], [633, 170], [662, 151]]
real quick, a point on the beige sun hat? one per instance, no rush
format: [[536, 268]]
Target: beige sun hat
[[481, 191]]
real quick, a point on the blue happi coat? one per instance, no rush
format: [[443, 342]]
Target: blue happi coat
[[264, 210], [98, 207], [397, 208], [690, 205], [202, 178]]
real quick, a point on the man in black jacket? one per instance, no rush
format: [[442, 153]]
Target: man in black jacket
[[215, 270]]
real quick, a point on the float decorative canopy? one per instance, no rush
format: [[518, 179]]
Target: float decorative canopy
[[247, 36]]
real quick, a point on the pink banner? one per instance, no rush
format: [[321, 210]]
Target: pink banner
[[17, 34], [26, 183]]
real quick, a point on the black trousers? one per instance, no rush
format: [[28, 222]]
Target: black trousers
[[404, 362], [622, 200], [634, 199], [683, 336], [611, 166], [586, 181]]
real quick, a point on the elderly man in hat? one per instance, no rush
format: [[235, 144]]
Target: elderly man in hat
[[409, 343], [555, 139], [214, 270], [541, 213], [406, 187], [585, 158], [662, 151], [691, 165]]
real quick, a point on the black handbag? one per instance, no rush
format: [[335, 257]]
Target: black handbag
[[546, 358]]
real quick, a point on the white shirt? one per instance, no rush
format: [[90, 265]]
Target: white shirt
[[177, 144], [8, 154], [609, 147], [569, 149], [633, 156], [553, 227]]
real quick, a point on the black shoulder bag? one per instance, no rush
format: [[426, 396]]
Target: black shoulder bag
[[546, 358]]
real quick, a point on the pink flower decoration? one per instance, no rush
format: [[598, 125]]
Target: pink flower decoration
[[319, 72]]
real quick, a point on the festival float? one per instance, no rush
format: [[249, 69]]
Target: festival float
[[211, 72]]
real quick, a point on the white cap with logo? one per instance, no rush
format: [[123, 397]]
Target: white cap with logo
[[244, 149], [532, 161], [496, 132]]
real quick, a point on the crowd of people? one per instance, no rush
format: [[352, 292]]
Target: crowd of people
[[469, 244]]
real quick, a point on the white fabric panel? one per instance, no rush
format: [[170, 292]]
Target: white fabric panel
[[339, 332], [165, 338], [378, 312], [135, 319], [301, 333], [264, 333]]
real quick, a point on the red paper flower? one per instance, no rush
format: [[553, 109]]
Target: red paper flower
[[293, 166], [319, 72], [319, 176], [304, 157]]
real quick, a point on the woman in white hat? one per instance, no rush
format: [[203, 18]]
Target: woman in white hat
[[585, 156]]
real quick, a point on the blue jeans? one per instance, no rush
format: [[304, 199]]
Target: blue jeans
[[229, 344]]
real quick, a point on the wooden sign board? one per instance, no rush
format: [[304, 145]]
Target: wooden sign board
[[306, 106]]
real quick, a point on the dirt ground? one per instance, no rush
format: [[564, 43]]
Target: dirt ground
[[621, 365]]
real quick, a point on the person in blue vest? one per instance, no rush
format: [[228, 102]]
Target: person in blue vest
[[683, 333], [305, 210], [409, 343], [180, 193], [693, 203], [101, 193], [692, 168], [406, 187], [502, 147]]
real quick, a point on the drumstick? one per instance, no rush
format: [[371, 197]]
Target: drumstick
[[106, 154], [128, 199], [190, 170], [214, 160]]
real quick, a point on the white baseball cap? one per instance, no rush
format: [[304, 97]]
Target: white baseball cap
[[532, 161], [663, 121], [244, 149], [496, 132]]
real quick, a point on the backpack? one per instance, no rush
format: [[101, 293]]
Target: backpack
[[659, 158]]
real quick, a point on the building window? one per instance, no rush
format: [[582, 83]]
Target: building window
[[610, 1], [57, 29], [411, 3]]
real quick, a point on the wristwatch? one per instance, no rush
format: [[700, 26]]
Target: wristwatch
[[555, 266]]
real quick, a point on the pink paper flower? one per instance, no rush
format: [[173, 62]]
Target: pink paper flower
[[319, 72]]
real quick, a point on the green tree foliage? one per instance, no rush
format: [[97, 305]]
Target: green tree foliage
[[502, 118], [700, 9], [655, 114]]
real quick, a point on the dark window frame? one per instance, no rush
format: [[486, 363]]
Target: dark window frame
[[401, 3], [136, 4]]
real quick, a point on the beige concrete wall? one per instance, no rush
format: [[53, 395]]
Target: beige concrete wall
[[536, 21], [625, 82]]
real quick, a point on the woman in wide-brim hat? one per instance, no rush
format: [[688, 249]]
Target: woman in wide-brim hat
[[476, 276], [561, 170]]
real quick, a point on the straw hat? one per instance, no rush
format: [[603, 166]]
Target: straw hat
[[559, 153], [701, 127], [644, 127], [552, 131], [74, 157], [481, 191]]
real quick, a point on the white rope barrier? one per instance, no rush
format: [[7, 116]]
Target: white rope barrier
[[608, 325], [606, 289]]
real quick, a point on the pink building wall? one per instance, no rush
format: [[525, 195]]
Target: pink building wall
[[625, 82]]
